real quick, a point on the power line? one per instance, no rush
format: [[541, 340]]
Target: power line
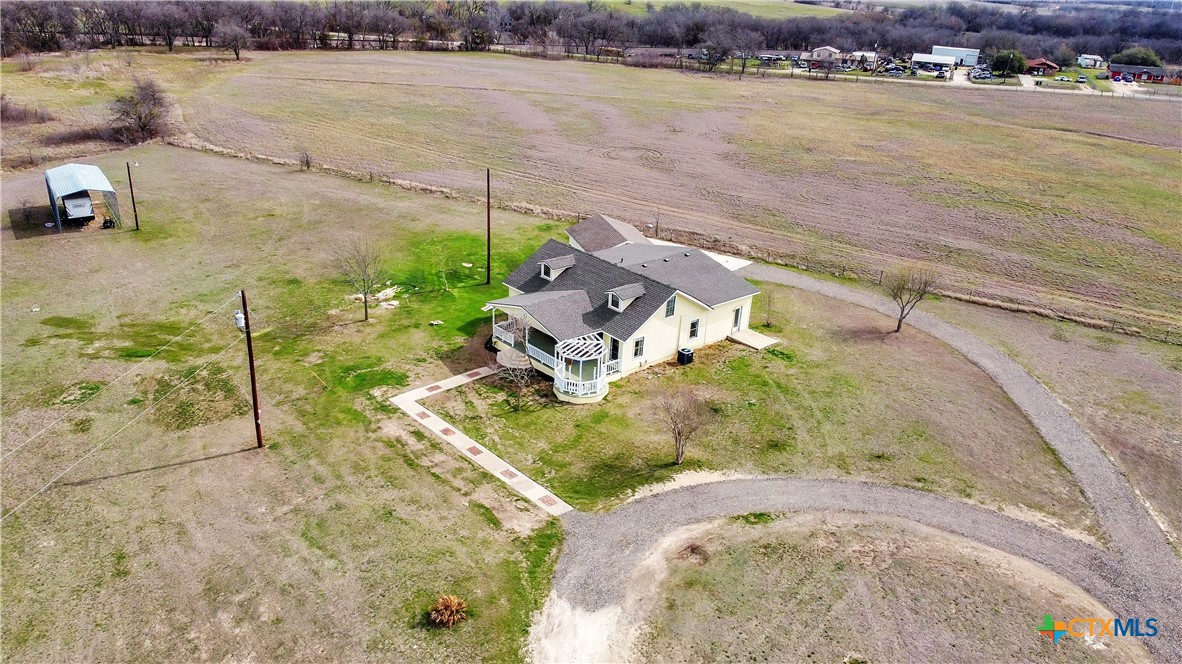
[[121, 429], [14, 450]]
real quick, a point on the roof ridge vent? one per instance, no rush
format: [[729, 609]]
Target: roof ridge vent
[[665, 259], [644, 265], [686, 254]]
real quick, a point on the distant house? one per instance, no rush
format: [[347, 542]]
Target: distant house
[[1140, 73], [936, 61], [1041, 67], [610, 303], [964, 56], [825, 55], [1090, 61]]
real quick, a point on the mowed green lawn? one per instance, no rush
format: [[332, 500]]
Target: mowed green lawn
[[176, 541]]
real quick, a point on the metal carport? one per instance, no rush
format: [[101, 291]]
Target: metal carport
[[70, 179]]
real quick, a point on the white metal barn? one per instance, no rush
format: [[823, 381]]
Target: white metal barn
[[964, 56], [75, 185], [939, 61]]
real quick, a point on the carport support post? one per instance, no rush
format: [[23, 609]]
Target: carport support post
[[488, 227], [136, 212], [254, 390]]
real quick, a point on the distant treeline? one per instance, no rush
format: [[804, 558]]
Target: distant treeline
[[589, 26]]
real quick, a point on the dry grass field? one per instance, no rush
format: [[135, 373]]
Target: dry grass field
[[1069, 202], [176, 541], [1127, 392], [834, 588]]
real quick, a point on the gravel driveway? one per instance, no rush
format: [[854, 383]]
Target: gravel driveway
[[1138, 574]]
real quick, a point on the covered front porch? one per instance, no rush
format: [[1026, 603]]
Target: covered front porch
[[580, 366]]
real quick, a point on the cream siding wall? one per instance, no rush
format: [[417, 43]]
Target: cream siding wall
[[664, 336]]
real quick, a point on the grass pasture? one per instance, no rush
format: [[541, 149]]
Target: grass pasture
[[791, 167], [178, 541]]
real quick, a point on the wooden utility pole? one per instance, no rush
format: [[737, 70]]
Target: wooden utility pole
[[488, 226], [131, 184], [254, 390]]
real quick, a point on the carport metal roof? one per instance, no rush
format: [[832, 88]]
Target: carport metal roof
[[72, 179]]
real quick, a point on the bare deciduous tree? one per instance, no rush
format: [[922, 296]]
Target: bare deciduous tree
[[684, 413], [140, 114], [518, 375], [908, 285], [230, 34], [361, 263], [768, 303]]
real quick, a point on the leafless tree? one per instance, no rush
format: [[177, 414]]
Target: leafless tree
[[768, 303], [140, 114], [908, 285], [519, 374], [361, 263], [684, 413], [230, 34]]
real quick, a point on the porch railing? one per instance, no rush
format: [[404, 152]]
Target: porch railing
[[541, 356], [581, 388], [611, 367], [502, 334]]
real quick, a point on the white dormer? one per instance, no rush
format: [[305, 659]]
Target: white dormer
[[620, 297], [552, 267]]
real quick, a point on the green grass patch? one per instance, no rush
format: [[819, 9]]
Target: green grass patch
[[755, 518]]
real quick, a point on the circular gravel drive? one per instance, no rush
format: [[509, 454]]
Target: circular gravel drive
[[1138, 575]]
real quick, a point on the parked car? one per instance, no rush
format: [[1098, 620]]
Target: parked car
[[896, 74], [941, 74], [1062, 78], [1081, 79]]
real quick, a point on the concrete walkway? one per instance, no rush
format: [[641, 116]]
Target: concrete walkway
[[408, 402]]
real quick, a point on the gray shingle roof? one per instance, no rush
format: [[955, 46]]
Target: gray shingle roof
[[591, 277], [687, 270], [600, 232], [560, 312], [628, 291]]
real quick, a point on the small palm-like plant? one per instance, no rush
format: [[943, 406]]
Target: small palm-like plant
[[449, 610]]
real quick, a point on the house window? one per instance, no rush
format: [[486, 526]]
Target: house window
[[638, 348], [546, 273], [670, 306], [694, 325], [613, 301]]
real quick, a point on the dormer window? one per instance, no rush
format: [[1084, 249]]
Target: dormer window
[[619, 298], [552, 267]]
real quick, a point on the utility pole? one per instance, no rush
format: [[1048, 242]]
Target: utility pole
[[254, 390], [488, 227], [131, 184]]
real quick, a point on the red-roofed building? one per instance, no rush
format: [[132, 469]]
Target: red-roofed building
[[1041, 67]]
